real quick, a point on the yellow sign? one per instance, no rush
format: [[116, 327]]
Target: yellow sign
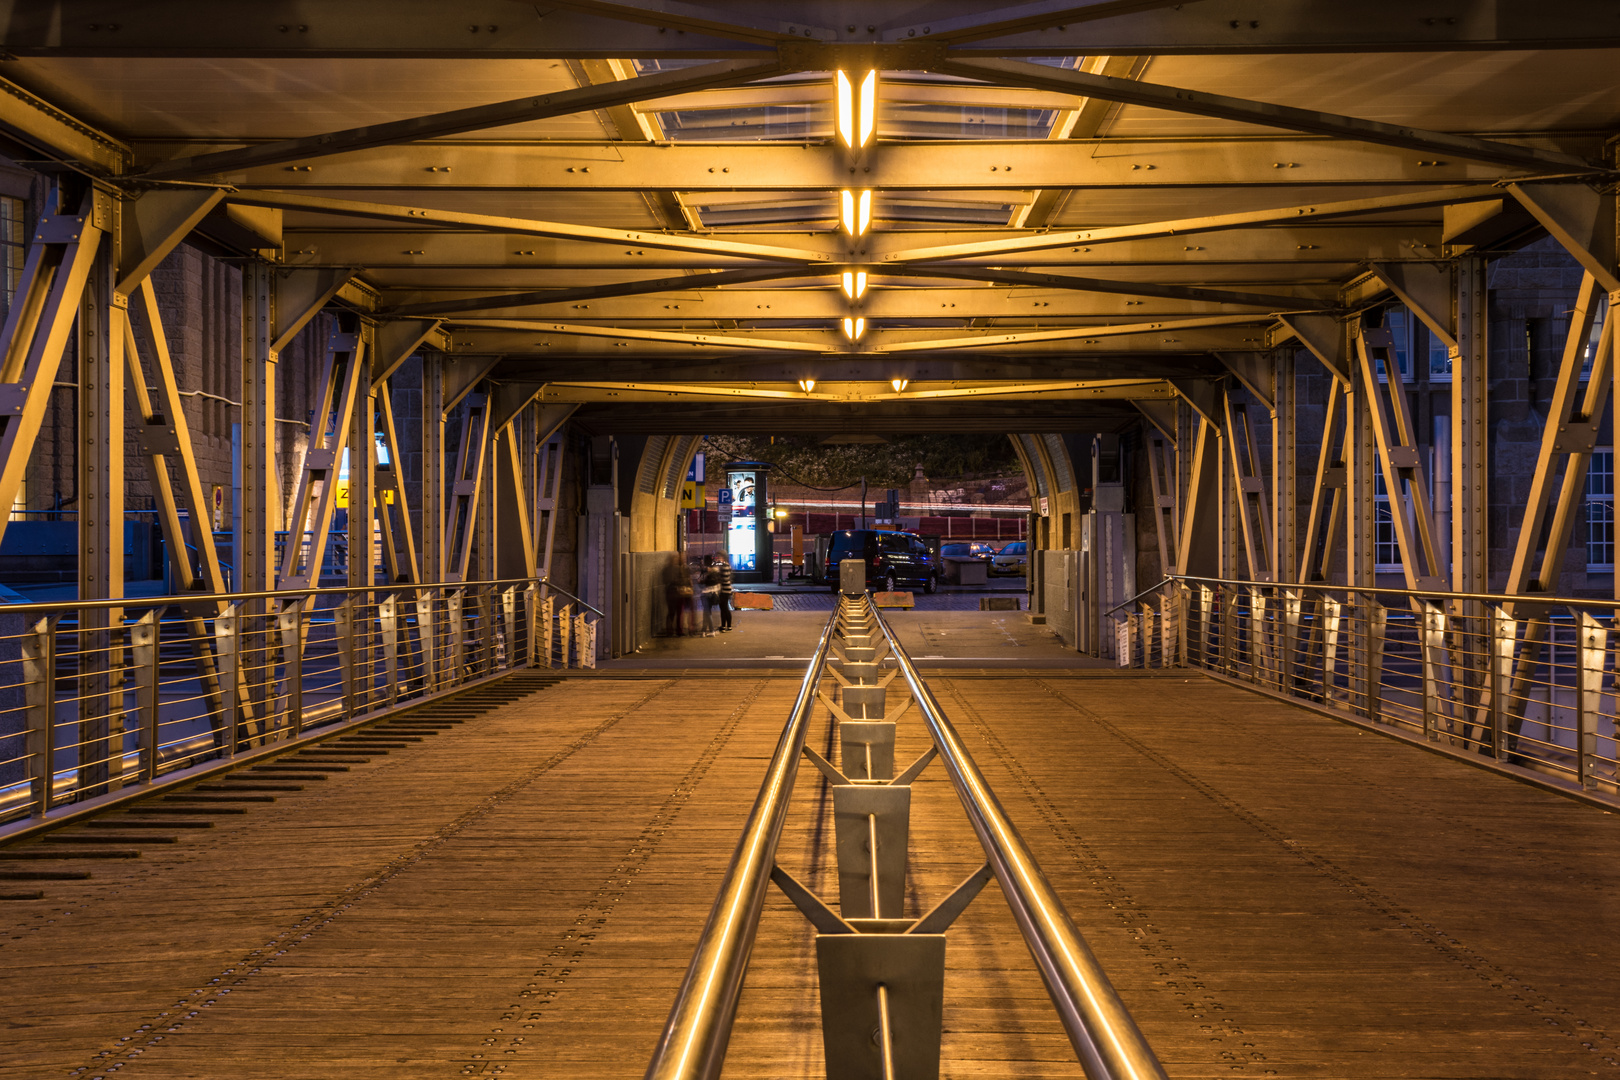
[[692, 494], [343, 494]]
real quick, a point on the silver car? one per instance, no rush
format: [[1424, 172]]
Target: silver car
[[1012, 560]]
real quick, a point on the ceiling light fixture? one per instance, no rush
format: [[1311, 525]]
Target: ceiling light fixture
[[854, 284], [899, 384], [857, 211], [856, 120], [854, 328], [807, 385]]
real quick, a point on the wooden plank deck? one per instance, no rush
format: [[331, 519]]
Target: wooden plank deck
[[517, 896]]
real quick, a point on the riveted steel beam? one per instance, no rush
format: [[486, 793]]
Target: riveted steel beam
[[534, 371], [460, 121], [1165, 331], [818, 342], [1262, 114], [765, 308], [389, 253], [57, 133], [512, 344], [1260, 161], [1324, 211], [500, 29], [684, 283], [525, 227], [858, 391]]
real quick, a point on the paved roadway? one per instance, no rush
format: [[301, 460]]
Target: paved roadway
[[516, 895]]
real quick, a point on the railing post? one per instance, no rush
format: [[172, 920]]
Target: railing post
[[1259, 638], [1433, 635], [1206, 609], [1292, 605], [531, 637], [458, 635], [39, 675], [144, 649], [509, 611], [1229, 630], [1377, 622], [227, 641], [565, 629], [1504, 635], [1590, 641], [343, 624], [486, 628], [289, 621], [388, 623], [548, 630], [585, 640], [1332, 622], [1183, 603], [429, 641]]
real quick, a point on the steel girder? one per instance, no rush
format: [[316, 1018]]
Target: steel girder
[[497, 29], [513, 343], [426, 253], [1259, 161]]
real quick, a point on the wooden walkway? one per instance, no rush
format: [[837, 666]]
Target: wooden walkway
[[516, 895]]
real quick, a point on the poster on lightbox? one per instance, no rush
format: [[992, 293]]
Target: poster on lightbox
[[741, 544]]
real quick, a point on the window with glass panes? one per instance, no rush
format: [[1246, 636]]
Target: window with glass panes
[[1398, 322], [1386, 544], [1600, 510]]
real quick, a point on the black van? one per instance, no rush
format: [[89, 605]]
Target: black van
[[892, 559]]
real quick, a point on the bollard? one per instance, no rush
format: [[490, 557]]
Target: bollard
[[852, 577]]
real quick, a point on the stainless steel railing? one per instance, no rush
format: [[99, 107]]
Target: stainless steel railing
[[693, 1045], [1106, 1039], [103, 699], [1525, 681]]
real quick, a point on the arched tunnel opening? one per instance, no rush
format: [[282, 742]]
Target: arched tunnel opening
[[1012, 560]]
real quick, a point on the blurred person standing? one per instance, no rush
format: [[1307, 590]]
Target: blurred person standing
[[723, 571]]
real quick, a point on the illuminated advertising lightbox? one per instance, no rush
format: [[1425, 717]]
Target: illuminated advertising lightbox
[[741, 539]]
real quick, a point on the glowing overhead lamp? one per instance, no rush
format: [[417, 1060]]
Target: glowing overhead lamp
[[857, 117], [854, 328], [807, 385], [854, 284], [899, 384], [857, 211]]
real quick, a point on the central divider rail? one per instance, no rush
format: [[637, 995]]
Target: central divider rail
[[882, 975]]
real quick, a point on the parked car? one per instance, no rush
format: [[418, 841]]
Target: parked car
[[963, 550], [892, 559], [1012, 560]]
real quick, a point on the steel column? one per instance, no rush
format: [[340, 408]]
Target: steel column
[[100, 458]]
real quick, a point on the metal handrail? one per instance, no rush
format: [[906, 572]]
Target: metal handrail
[[52, 606], [1105, 1037], [693, 1044], [1417, 594], [1151, 588], [547, 582]]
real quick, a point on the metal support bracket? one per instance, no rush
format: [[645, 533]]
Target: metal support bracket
[[872, 824], [866, 749]]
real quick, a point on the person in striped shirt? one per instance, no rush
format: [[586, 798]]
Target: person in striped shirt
[[722, 566]]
